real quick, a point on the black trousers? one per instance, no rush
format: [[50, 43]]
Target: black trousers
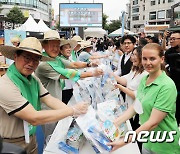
[[66, 95], [135, 124]]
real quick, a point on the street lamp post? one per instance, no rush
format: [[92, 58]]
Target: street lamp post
[[123, 14]]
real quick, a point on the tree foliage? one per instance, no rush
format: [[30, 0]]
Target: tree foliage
[[114, 25], [15, 16], [104, 22]]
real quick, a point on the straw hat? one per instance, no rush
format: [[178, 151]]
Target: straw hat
[[51, 35], [29, 44], [15, 39], [78, 39], [86, 44], [72, 43]]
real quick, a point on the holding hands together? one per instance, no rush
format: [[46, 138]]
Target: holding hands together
[[117, 86], [80, 108], [97, 72], [95, 62]]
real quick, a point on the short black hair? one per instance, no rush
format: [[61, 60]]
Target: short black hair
[[130, 37], [142, 42], [154, 39], [148, 36], [177, 31], [117, 44]]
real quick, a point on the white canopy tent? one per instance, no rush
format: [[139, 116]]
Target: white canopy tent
[[118, 32], [42, 26], [29, 26], [94, 32]]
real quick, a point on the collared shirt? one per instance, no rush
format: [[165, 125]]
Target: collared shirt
[[127, 56], [84, 56], [161, 95], [133, 83], [12, 101]]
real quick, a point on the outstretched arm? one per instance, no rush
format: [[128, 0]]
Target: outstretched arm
[[156, 117]]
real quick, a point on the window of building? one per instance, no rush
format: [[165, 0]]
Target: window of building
[[135, 2], [168, 13], [177, 13], [35, 3], [135, 18], [135, 10], [27, 2], [153, 2], [152, 15], [160, 23], [169, 1], [4, 1], [159, 1], [137, 26], [23, 1], [17, 1], [163, 1], [152, 23], [144, 8], [143, 17], [161, 14], [31, 3]]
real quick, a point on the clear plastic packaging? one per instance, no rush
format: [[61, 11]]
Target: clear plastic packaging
[[75, 137], [67, 148], [101, 139]]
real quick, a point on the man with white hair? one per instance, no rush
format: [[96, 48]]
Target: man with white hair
[[53, 73]]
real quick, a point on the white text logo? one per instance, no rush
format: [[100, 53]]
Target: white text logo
[[154, 137]]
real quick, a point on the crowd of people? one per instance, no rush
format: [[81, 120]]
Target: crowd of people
[[37, 88]]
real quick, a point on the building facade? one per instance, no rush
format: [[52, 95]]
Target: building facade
[[39, 9], [150, 12]]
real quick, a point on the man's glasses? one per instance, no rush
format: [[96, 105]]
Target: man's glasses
[[173, 39], [28, 59], [127, 43]]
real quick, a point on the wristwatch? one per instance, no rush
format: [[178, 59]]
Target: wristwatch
[[88, 64]]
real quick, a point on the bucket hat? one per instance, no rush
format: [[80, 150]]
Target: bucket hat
[[78, 39], [51, 35], [29, 44], [86, 44], [72, 43]]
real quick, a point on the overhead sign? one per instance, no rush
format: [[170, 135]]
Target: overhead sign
[[155, 28], [80, 14]]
